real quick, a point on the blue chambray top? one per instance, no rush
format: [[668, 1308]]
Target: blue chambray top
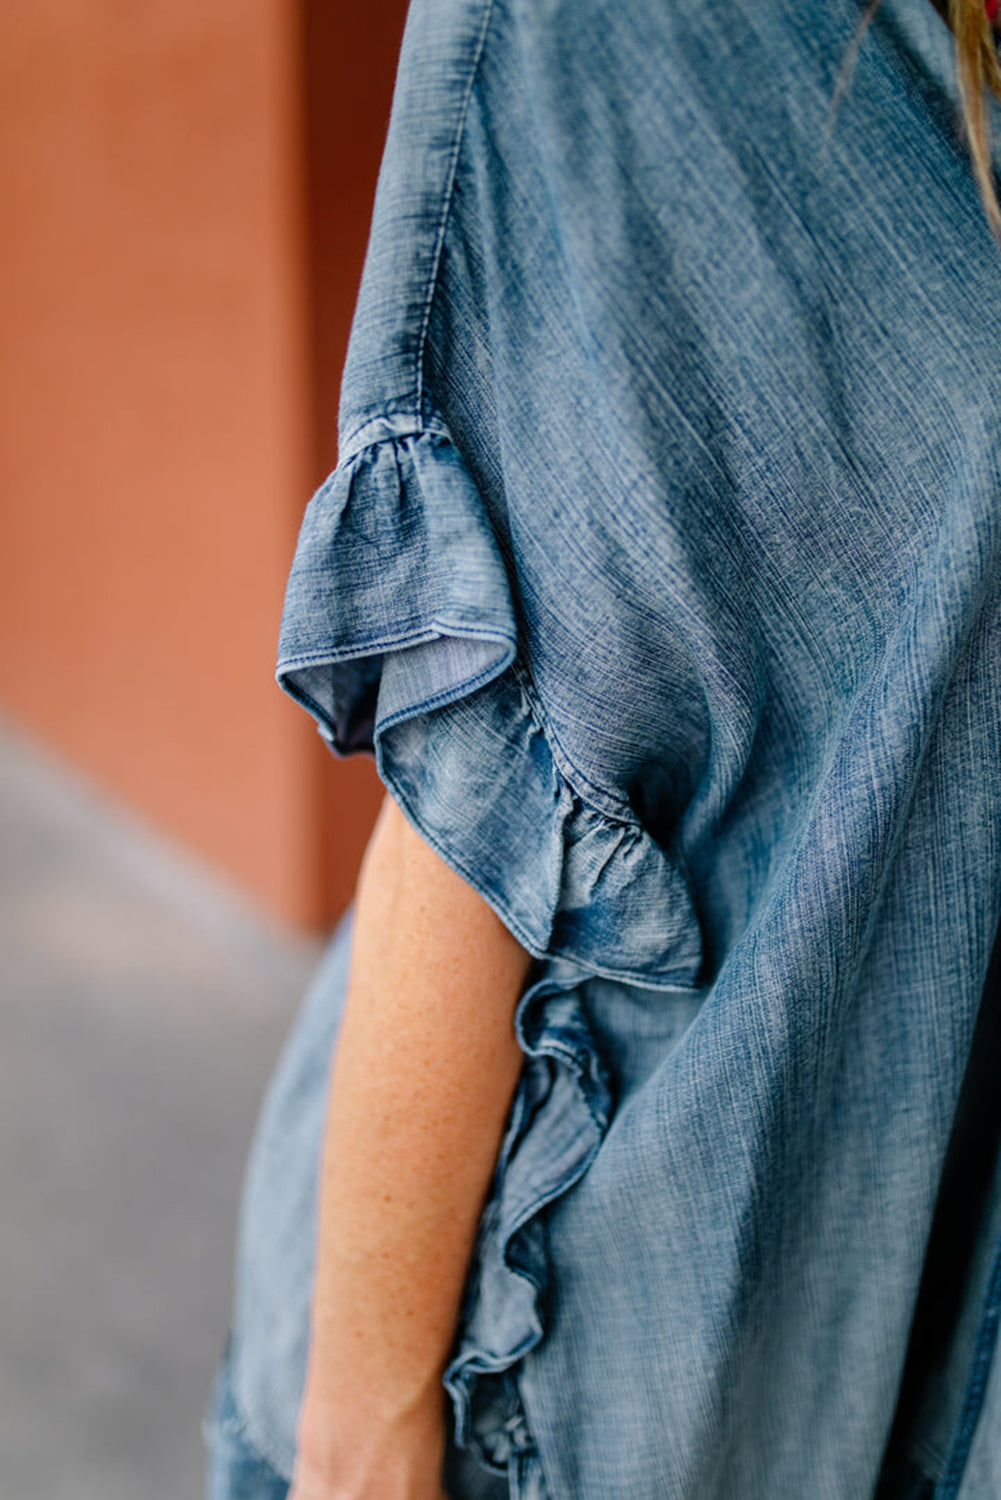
[[660, 570]]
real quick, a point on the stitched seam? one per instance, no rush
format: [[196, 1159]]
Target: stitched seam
[[415, 634], [387, 427], [447, 205]]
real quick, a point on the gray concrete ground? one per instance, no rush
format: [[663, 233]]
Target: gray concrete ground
[[141, 1007]]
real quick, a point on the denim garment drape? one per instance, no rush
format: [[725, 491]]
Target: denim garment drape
[[661, 572]]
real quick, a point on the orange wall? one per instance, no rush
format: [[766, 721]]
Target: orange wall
[[350, 63], [166, 406]]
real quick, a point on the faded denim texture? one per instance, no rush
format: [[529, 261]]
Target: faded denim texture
[[660, 570]]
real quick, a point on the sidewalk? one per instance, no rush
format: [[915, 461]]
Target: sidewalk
[[141, 1008]]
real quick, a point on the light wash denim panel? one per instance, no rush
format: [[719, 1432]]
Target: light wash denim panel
[[660, 571]]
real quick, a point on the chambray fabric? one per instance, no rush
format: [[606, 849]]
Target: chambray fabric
[[660, 570]]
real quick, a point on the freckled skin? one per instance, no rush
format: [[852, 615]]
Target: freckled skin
[[426, 1065]]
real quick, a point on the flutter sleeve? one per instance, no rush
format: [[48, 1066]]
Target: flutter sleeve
[[400, 636]]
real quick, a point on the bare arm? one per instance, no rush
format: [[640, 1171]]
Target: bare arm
[[426, 1065]]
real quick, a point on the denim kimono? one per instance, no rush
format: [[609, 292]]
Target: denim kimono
[[661, 570]]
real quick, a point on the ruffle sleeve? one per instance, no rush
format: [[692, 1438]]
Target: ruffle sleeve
[[400, 635]]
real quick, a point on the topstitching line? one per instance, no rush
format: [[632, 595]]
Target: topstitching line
[[446, 205]]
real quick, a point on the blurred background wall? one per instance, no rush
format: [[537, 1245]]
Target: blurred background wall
[[185, 187]]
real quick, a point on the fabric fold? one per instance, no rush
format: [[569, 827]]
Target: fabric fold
[[559, 1118], [396, 567]]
